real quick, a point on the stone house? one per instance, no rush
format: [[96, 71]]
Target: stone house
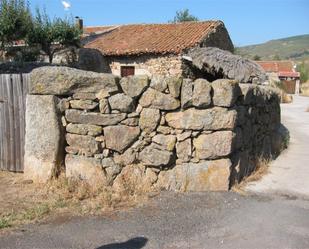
[[283, 72], [154, 48]]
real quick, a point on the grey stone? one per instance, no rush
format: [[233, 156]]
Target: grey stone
[[152, 156], [44, 139], [174, 85], [149, 119], [216, 118], [204, 176], [184, 150], [111, 168], [84, 168], [84, 129], [164, 130], [215, 145], [83, 104], [133, 86], [63, 105], [81, 117], [157, 100], [104, 106], [88, 96], [201, 93], [130, 122], [166, 142], [65, 81], [158, 82], [127, 158], [225, 92], [120, 137], [183, 136], [121, 102], [86, 145], [187, 93]]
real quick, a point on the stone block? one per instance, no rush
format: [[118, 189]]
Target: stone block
[[204, 176], [187, 93], [184, 150], [44, 143], [83, 104], [216, 118], [149, 119], [214, 145], [157, 100], [76, 116], [65, 81], [166, 142], [86, 145], [122, 103], [134, 86], [84, 129], [201, 93], [152, 156], [120, 137], [225, 92]]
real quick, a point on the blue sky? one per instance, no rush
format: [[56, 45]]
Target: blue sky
[[248, 21]]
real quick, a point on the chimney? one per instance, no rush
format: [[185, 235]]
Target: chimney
[[79, 22]]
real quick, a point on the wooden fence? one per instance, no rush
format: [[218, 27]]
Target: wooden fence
[[13, 91]]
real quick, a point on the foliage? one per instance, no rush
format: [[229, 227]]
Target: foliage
[[295, 48], [256, 58], [276, 57], [304, 71], [15, 21], [183, 16], [53, 35]]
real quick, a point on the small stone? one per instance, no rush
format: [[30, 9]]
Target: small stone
[[152, 156], [120, 137], [71, 150], [187, 93], [133, 86], [215, 145], [64, 121], [84, 129], [174, 85], [100, 139], [225, 92], [127, 158], [162, 121], [139, 109], [83, 104], [122, 103], [201, 93], [183, 136], [184, 150], [86, 145], [166, 142], [89, 96], [106, 152], [158, 83], [104, 106], [133, 115], [157, 100], [130, 122], [164, 130], [63, 105], [149, 119]]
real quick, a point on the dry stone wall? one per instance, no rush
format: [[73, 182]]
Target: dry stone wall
[[160, 133]]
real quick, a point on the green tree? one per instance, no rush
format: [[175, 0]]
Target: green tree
[[183, 16], [256, 58], [15, 21], [276, 58], [53, 35], [303, 69]]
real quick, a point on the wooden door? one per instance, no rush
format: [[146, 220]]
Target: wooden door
[[127, 71]]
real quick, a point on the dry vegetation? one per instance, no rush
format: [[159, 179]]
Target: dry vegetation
[[24, 202], [261, 170]]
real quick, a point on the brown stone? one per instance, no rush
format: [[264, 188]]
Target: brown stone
[[152, 156], [120, 137], [84, 129], [184, 150], [121, 102], [81, 117], [149, 119], [225, 92], [86, 145], [157, 100], [201, 93], [216, 118], [133, 86], [214, 145], [166, 142]]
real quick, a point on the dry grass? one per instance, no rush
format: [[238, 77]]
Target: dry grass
[[23, 202], [261, 170]]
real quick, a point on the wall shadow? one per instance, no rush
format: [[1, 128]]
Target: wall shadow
[[135, 243]]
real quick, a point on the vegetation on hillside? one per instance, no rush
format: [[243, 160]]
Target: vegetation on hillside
[[294, 48]]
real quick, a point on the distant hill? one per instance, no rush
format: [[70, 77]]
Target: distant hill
[[295, 48]]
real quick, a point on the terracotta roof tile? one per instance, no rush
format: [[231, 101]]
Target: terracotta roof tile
[[152, 38], [277, 66]]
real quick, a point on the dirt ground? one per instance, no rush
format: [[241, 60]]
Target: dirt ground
[[24, 202]]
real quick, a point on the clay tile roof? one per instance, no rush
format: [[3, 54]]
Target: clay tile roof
[[277, 66], [153, 38]]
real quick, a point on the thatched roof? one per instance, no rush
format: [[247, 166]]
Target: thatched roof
[[214, 61]]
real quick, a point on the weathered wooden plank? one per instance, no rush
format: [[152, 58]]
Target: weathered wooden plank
[[13, 90]]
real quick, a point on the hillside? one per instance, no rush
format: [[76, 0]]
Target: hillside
[[295, 48]]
